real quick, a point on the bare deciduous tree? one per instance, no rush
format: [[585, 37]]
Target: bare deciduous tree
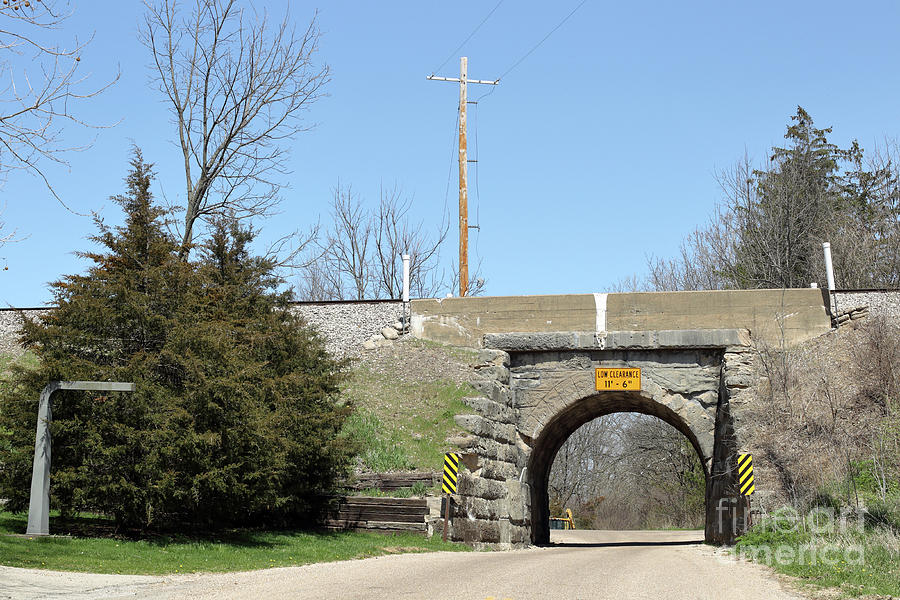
[[346, 253], [42, 90], [628, 470], [584, 466], [396, 235], [316, 284], [476, 285], [238, 86], [4, 237], [360, 251]]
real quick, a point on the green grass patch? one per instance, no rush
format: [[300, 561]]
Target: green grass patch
[[403, 425], [419, 489], [8, 362], [237, 550], [854, 562], [28, 360], [379, 447]]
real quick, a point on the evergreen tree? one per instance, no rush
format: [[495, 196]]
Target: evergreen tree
[[235, 417], [783, 225], [768, 231]]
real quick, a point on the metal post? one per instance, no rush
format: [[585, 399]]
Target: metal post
[[749, 520], [446, 515], [39, 502]]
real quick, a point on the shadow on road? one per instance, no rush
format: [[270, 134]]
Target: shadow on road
[[621, 544]]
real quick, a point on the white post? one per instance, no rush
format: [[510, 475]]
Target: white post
[[406, 278], [406, 311], [829, 269], [829, 272]]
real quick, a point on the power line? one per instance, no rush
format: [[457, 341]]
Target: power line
[[477, 168], [465, 41], [486, 94], [452, 160], [477, 226], [546, 37]]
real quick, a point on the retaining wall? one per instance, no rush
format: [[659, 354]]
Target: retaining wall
[[881, 303], [344, 325]]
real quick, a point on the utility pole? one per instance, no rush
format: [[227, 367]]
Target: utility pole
[[463, 169]]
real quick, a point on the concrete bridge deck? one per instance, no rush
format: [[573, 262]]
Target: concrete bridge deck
[[792, 315]]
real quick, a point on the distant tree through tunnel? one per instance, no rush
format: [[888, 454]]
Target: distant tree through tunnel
[[616, 439], [628, 471]]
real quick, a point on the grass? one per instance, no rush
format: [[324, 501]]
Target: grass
[[403, 425], [458, 353], [419, 489], [854, 562], [239, 550], [27, 360], [380, 447]]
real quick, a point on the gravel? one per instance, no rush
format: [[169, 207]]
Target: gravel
[[411, 359]]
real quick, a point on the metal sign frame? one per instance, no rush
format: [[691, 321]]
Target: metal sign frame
[[39, 503]]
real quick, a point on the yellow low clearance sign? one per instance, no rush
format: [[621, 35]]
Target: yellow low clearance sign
[[618, 379]]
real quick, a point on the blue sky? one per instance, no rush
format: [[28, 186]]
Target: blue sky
[[599, 149]]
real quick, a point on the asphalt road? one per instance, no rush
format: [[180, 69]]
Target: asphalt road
[[617, 565]]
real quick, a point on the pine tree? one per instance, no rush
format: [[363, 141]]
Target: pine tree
[[236, 416], [783, 227], [769, 229]]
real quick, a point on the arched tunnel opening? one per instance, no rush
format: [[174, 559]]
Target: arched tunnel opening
[[616, 412]]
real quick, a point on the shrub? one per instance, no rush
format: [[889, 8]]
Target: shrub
[[235, 418]]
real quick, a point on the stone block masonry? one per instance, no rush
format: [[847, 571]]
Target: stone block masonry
[[536, 388]]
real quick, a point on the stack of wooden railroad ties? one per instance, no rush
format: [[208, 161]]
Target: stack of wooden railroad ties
[[385, 513]]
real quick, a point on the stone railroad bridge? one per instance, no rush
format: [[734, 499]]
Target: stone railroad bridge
[[536, 379], [537, 386]]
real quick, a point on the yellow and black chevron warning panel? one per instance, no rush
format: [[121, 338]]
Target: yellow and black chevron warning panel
[[745, 474], [451, 472]]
